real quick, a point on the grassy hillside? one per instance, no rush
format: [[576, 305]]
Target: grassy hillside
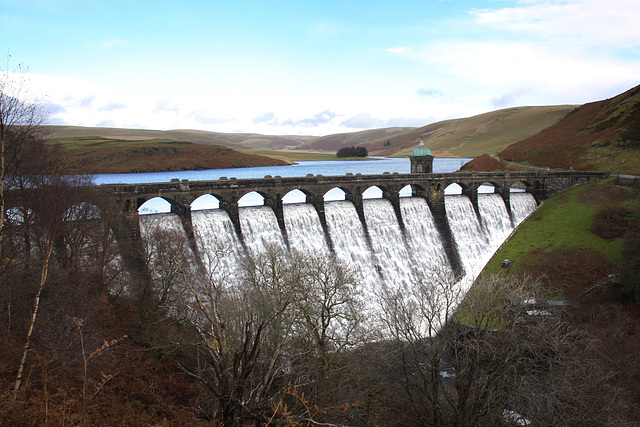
[[596, 136], [231, 140], [563, 223], [107, 155], [337, 141], [473, 136]]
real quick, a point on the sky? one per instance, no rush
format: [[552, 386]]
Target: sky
[[313, 68]]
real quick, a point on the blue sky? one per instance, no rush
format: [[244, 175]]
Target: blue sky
[[315, 68]]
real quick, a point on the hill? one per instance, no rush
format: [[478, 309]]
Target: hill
[[472, 136], [336, 141], [230, 140], [107, 155], [467, 137], [596, 136]]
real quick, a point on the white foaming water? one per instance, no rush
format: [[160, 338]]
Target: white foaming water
[[390, 253], [469, 237], [423, 240], [217, 242], [151, 224], [304, 230], [260, 229], [349, 241], [495, 218], [522, 204], [394, 261], [164, 233]]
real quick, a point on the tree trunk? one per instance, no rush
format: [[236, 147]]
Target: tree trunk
[[34, 316]]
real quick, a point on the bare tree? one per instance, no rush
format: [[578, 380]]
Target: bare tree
[[38, 186], [330, 313], [51, 195], [279, 323], [21, 120]]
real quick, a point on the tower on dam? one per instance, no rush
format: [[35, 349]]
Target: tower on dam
[[421, 159]]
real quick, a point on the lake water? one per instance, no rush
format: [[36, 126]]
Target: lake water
[[326, 168]]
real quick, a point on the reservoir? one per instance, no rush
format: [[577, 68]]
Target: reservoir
[[378, 165]]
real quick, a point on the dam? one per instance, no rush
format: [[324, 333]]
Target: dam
[[386, 254]]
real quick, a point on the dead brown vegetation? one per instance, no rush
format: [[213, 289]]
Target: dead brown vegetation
[[586, 138]]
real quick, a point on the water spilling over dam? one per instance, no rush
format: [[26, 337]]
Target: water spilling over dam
[[388, 250]]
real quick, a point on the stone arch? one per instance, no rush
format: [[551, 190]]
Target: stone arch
[[251, 200], [346, 194], [297, 195], [406, 191], [374, 192], [528, 186], [205, 202], [18, 215], [173, 205], [497, 187], [455, 188]]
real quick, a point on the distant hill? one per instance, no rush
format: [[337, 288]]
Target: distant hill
[[472, 136], [467, 137], [595, 136], [336, 141], [231, 140], [109, 155]]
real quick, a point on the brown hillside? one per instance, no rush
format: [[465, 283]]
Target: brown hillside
[[486, 163], [250, 141], [598, 135], [100, 155]]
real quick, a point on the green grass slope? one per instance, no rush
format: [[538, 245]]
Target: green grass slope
[[561, 224]]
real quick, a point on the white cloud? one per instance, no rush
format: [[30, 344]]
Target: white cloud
[[265, 118], [429, 93], [539, 52], [362, 121], [586, 22], [167, 105], [87, 101], [112, 106]]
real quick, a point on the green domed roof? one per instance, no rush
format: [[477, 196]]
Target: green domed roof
[[421, 150]]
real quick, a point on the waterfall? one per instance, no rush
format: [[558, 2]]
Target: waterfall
[[260, 229], [470, 239], [495, 218], [165, 236], [522, 204], [349, 240], [423, 240], [390, 253], [217, 242], [386, 257], [304, 230]]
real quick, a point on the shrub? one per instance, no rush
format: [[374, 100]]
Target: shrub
[[609, 222]]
